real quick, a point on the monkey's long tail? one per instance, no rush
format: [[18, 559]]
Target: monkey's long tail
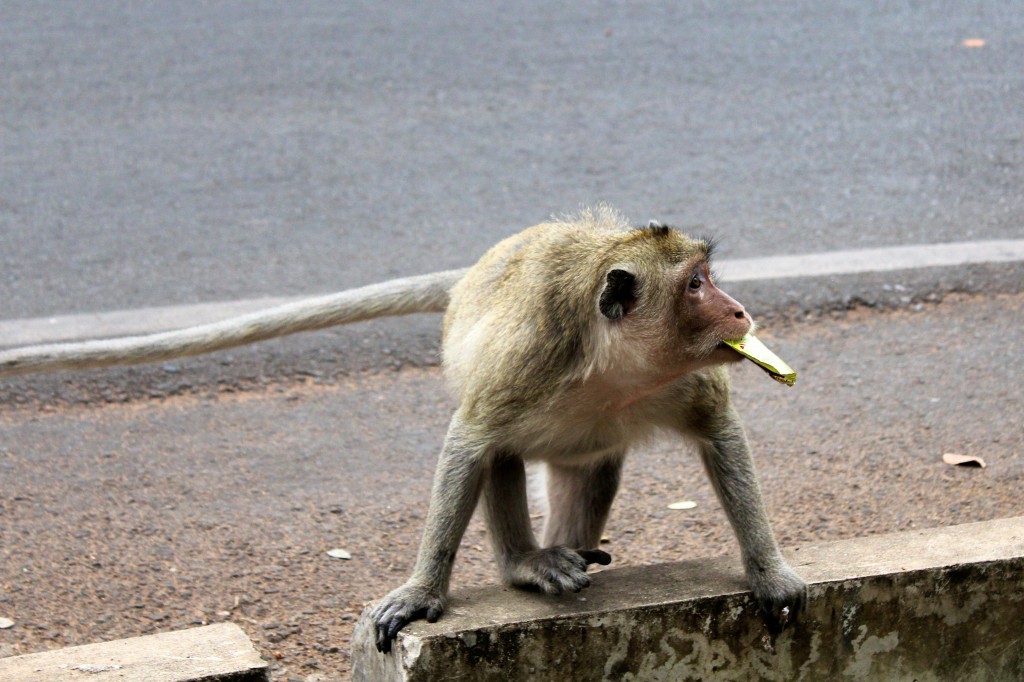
[[420, 294]]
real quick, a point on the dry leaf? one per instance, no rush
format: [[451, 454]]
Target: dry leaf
[[963, 460], [683, 505]]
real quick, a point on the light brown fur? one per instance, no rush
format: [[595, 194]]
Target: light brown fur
[[545, 368]]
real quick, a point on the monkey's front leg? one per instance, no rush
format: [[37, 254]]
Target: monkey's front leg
[[780, 593], [553, 570], [452, 501]]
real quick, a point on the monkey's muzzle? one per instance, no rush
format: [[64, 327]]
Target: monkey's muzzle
[[751, 348]]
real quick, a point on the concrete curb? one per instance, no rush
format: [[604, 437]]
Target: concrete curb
[[215, 653], [776, 284], [67, 328], [938, 604], [882, 278]]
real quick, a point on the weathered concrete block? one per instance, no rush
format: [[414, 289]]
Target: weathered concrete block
[[215, 653], [940, 604]]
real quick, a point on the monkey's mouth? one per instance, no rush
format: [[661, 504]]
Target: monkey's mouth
[[751, 347], [730, 352]]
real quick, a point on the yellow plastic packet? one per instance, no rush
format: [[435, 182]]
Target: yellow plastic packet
[[751, 348]]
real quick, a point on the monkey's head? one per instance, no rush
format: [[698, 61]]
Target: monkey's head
[[658, 294]]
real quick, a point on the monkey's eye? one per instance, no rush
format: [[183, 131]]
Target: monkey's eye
[[696, 281]]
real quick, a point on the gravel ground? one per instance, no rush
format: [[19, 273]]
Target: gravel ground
[[121, 519]]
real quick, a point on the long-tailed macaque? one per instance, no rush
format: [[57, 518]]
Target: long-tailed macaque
[[567, 343]]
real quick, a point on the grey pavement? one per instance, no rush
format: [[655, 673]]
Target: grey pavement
[[173, 153]]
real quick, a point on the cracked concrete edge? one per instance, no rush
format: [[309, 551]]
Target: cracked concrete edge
[[767, 286], [934, 604], [213, 653]]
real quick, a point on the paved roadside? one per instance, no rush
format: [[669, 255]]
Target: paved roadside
[[821, 280], [123, 518], [775, 288]]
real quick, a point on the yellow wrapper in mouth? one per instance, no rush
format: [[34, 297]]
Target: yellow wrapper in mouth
[[751, 348]]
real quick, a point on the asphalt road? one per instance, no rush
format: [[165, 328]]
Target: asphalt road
[[158, 514], [156, 153], [171, 152]]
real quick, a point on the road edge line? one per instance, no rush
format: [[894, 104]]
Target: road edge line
[[745, 272]]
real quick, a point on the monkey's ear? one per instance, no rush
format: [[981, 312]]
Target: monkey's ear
[[619, 295]]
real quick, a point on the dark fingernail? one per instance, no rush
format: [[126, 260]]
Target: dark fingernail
[[596, 556]]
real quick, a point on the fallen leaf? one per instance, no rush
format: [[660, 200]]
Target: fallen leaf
[[963, 460], [683, 505]]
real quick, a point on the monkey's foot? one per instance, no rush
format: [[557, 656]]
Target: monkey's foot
[[780, 594], [409, 602], [554, 570]]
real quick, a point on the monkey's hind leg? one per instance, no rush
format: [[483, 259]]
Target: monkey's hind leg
[[579, 499], [553, 570]]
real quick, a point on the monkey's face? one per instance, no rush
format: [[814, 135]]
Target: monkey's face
[[696, 317], [707, 311], [667, 317]]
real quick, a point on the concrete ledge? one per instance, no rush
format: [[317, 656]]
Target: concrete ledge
[[66, 328], [882, 289], [940, 604], [215, 653]]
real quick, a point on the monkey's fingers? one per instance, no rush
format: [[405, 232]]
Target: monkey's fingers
[[391, 616], [389, 622], [595, 556], [383, 640], [397, 624], [383, 643], [783, 610], [387, 630]]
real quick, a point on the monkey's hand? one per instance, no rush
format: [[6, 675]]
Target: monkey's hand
[[780, 594], [409, 602], [554, 570]]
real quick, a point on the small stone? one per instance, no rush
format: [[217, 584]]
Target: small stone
[[339, 554]]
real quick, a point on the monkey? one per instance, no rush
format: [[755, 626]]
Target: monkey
[[568, 344]]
